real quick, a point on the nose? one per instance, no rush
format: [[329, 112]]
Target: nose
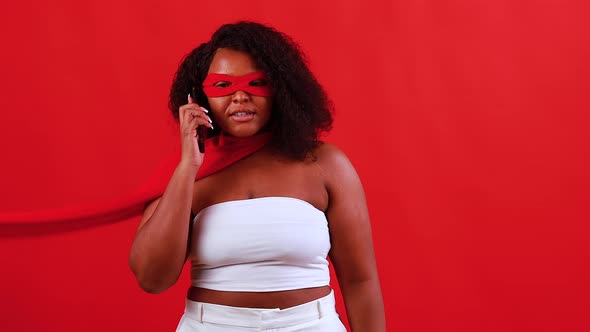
[[240, 97]]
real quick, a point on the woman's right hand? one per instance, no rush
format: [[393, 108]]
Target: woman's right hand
[[190, 116]]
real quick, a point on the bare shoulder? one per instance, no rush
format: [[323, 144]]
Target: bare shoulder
[[329, 155], [333, 162]]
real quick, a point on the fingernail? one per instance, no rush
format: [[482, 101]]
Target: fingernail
[[208, 118], [204, 110]]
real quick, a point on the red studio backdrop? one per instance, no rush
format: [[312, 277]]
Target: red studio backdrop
[[467, 122]]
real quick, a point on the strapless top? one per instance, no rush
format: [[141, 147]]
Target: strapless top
[[260, 244]]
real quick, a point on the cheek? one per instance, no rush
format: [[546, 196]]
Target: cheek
[[219, 104], [264, 104]]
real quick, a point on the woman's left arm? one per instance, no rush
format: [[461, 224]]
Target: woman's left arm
[[352, 252]]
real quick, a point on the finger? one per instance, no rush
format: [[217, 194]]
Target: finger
[[192, 128], [190, 99], [182, 115], [199, 121], [187, 112], [192, 106], [199, 113], [204, 122]]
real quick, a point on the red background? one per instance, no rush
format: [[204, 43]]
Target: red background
[[467, 122]]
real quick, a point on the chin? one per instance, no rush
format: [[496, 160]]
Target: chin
[[244, 129], [242, 132]]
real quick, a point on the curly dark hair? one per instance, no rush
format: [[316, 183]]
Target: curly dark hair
[[301, 108]]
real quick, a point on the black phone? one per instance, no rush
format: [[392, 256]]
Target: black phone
[[201, 130]]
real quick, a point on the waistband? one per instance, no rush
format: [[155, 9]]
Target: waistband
[[261, 318]]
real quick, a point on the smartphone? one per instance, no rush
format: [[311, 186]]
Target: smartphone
[[201, 130]]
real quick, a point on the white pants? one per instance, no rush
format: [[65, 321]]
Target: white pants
[[318, 316]]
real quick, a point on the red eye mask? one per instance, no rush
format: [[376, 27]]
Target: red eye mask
[[219, 85]]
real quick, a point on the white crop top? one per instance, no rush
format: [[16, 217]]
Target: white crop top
[[260, 244]]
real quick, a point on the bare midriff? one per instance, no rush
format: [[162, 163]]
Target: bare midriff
[[262, 300]]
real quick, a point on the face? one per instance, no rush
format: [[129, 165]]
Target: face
[[240, 113]]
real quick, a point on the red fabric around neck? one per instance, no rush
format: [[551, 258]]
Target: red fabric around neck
[[223, 150]]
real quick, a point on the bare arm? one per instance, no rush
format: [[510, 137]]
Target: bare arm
[[352, 247], [159, 249], [160, 246]]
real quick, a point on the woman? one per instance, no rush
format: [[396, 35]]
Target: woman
[[270, 202]]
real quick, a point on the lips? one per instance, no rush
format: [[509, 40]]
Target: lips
[[242, 115], [240, 110]]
